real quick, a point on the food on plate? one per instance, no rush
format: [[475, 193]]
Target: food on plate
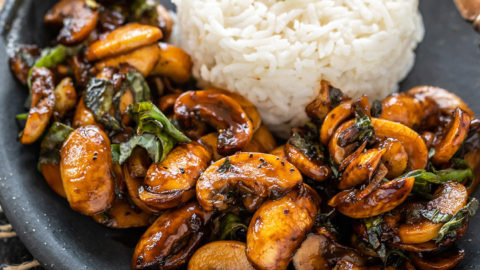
[[275, 52], [129, 141]]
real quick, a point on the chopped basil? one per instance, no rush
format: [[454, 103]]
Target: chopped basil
[[225, 165], [138, 86], [147, 141]]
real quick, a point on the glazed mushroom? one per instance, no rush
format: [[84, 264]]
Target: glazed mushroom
[[76, 17], [278, 228], [124, 39], [385, 198], [123, 215], [173, 63], [449, 199], [403, 109], [171, 182], [249, 177], [42, 106], [221, 112], [65, 97], [220, 255], [170, 241], [86, 167]]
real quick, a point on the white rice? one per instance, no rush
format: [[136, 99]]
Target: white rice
[[275, 52]]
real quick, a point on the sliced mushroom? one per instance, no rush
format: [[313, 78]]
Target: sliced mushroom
[[83, 116], [174, 63], [170, 241], [251, 177], [310, 166], [262, 141], [361, 168], [51, 173], [143, 59], [86, 167], [278, 228], [122, 215], [171, 182], [133, 185], [333, 119], [449, 199], [21, 61], [77, 18], [395, 157], [246, 105], [65, 96], [167, 102], [220, 111], [318, 252], [448, 144], [411, 141], [138, 163], [447, 101], [165, 21], [321, 105], [403, 109], [42, 106], [437, 261], [385, 198], [221, 255], [124, 39], [337, 152]]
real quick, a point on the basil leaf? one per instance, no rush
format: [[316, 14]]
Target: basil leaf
[[306, 141], [225, 166], [147, 141], [232, 228], [374, 232], [435, 215], [138, 86], [150, 119], [144, 9], [99, 99], [155, 132], [52, 143], [361, 131], [457, 221], [22, 116]]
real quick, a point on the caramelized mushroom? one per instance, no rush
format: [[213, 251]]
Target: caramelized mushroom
[[220, 111], [143, 59], [385, 198], [77, 18], [454, 135], [171, 182], [448, 199], [279, 152], [361, 168], [438, 261], [310, 166], [411, 141], [166, 103], [133, 185], [174, 63], [22, 60], [333, 119], [278, 228], [246, 105], [447, 101], [65, 97], [221, 255], [251, 177], [42, 106], [124, 39], [403, 109], [122, 215], [83, 116], [395, 157], [86, 168], [170, 241]]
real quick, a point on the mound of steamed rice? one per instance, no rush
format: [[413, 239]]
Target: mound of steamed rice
[[275, 52]]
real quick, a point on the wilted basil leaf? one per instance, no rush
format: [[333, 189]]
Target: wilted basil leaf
[[232, 228], [115, 148], [144, 9], [225, 165], [150, 120], [99, 99], [374, 231], [361, 131], [138, 86], [458, 220], [306, 141], [52, 143], [147, 141]]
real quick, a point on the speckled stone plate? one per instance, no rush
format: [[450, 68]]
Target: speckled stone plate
[[63, 239]]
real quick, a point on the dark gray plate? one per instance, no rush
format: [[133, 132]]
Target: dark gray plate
[[63, 239]]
